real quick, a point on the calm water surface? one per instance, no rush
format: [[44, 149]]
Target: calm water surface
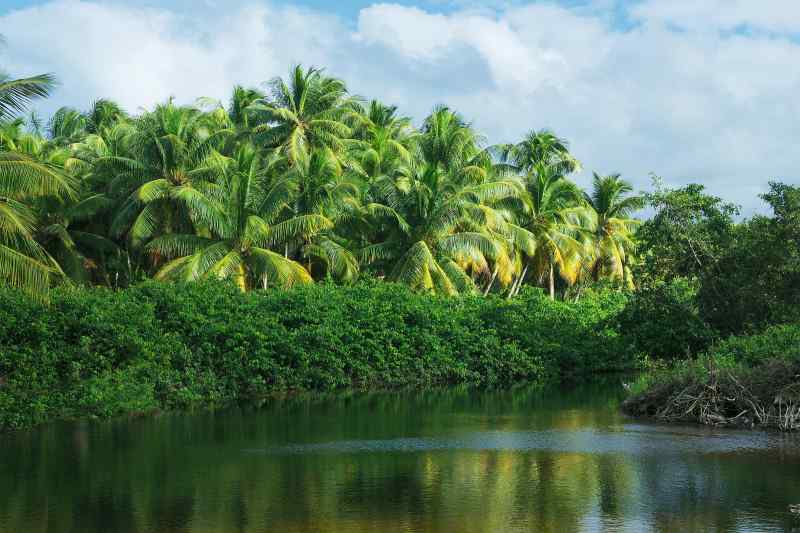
[[446, 460]]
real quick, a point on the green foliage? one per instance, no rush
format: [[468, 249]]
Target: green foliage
[[781, 342], [300, 183], [686, 234], [100, 353], [756, 280], [663, 321]]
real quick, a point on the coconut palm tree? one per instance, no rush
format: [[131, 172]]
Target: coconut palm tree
[[382, 143], [240, 240], [23, 262], [612, 225], [24, 179], [437, 228], [164, 171], [17, 94], [77, 249], [318, 186], [536, 149], [239, 110], [310, 111], [553, 217]]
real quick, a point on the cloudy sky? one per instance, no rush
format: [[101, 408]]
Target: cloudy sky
[[694, 91]]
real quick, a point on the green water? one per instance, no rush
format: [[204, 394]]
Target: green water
[[446, 460]]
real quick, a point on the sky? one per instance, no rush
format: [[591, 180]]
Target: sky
[[693, 91]]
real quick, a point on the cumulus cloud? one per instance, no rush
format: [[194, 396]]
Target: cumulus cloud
[[694, 91]]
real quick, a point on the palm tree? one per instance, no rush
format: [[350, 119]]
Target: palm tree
[[382, 144], [539, 148], [612, 226], [435, 220], [239, 110], [77, 249], [310, 111], [24, 179], [23, 262], [317, 186], [553, 217], [240, 237], [166, 168], [549, 214], [16, 94]]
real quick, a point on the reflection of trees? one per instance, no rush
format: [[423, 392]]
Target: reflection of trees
[[200, 474]]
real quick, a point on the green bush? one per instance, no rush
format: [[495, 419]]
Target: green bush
[[663, 321], [99, 353], [780, 342]]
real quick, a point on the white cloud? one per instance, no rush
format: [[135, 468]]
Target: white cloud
[[781, 16], [701, 102]]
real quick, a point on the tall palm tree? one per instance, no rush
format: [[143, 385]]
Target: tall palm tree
[[554, 218], [316, 185], [164, 171], [239, 110], [78, 250], [549, 213], [536, 149], [240, 240], [382, 143], [613, 227], [23, 262], [310, 111], [17, 94]]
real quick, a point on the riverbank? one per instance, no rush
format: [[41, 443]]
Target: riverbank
[[749, 381], [97, 353]]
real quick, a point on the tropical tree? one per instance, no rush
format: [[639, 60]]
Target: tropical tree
[[438, 222], [241, 239], [310, 111], [317, 185], [383, 144], [78, 250], [16, 94], [167, 166], [611, 222], [23, 262], [554, 218], [538, 148]]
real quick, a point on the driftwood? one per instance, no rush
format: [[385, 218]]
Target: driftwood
[[770, 398]]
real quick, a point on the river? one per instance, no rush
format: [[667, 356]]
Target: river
[[449, 460]]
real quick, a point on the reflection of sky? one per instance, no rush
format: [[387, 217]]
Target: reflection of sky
[[632, 440]]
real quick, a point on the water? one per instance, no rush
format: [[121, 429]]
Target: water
[[449, 460]]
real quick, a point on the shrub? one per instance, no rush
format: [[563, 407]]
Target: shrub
[[663, 321], [99, 353]]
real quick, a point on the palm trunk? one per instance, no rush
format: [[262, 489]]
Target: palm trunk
[[491, 282], [515, 288], [241, 282], [521, 280], [552, 283]]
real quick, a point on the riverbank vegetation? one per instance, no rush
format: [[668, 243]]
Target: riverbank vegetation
[[363, 251], [163, 346]]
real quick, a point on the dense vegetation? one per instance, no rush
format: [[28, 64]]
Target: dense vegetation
[[746, 282], [304, 182], [301, 183], [162, 346]]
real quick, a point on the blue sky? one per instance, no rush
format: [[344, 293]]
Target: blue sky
[[701, 91]]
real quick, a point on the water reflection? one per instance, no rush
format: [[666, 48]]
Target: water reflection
[[443, 460]]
